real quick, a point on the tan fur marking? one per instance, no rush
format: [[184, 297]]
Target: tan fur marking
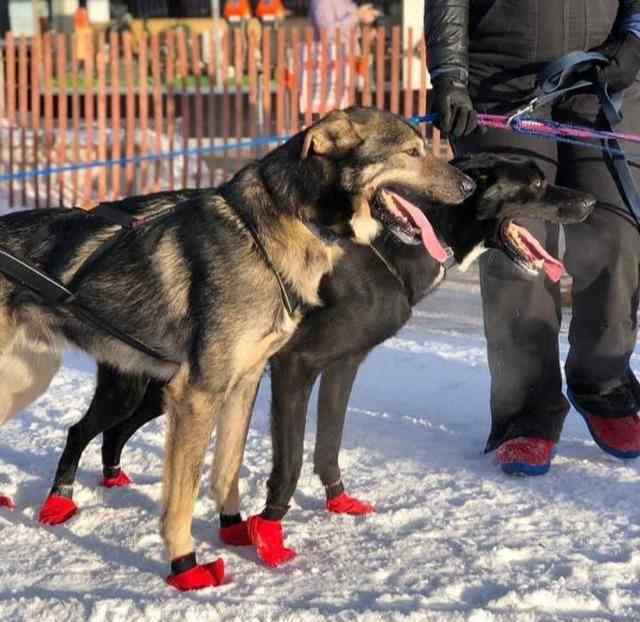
[[174, 275]]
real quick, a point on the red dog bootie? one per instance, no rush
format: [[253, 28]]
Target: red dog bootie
[[7, 502], [187, 575], [525, 456], [56, 510], [269, 541], [114, 477], [345, 504], [236, 535]]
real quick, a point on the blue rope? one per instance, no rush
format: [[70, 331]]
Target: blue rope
[[261, 142], [152, 157]]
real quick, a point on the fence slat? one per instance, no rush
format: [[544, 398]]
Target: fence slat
[[75, 118], [238, 65], [102, 118], [211, 76], [254, 42], [353, 66], [183, 72], [89, 151], [116, 138], [130, 122], [48, 110], [324, 71], [11, 106], [280, 82], [157, 105], [143, 106], [171, 102], [380, 69], [422, 97], [266, 82], [396, 59], [339, 71], [199, 113], [294, 126], [366, 68], [36, 65], [223, 79], [61, 150], [23, 119], [310, 66], [408, 77]]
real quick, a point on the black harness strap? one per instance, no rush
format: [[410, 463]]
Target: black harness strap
[[284, 294], [21, 271], [53, 292]]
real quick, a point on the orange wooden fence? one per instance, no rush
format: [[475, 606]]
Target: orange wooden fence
[[67, 102]]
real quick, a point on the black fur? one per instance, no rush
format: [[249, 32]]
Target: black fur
[[365, 301]]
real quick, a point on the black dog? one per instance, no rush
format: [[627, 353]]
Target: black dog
[[366, 300]]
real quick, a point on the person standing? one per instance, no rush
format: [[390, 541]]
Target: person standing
[[344, 14], [484, 56]]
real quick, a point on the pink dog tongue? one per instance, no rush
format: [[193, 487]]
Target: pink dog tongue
[[552, 266], [429, 239]]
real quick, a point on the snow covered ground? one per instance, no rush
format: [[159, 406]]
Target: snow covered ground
[[453, 539]]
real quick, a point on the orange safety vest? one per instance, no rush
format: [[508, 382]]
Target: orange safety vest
[[237, 9], [270, 8]]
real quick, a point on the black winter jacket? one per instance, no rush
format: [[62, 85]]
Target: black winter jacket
[[485, 35]]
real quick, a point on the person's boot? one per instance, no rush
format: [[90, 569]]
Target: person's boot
[[612, 419], [525, 455]]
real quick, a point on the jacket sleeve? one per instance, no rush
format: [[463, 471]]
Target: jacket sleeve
[[628, 19], [446, 27]]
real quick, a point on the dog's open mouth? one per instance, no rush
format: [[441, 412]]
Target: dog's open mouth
[[407, 222], [526, 252]]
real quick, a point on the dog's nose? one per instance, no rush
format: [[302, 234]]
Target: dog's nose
[[468, 186]]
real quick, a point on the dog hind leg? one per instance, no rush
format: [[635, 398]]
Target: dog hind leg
[[116, 397], [114, 439], [26, 371]]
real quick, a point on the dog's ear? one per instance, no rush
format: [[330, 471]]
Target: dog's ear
[[334, 136]]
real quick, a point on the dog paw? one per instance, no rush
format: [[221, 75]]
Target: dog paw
[[345, 504], [268, 538], [121, 480], [236, 535], [7, 502], [198, 577], [56, 510]]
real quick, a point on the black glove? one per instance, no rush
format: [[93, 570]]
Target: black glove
[[623, 52], [452, 102]]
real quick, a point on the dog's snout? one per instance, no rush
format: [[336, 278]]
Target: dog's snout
[[467, 186]]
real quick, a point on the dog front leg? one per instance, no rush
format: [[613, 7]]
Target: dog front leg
[[335, 389], [192, 414], [292, 378]]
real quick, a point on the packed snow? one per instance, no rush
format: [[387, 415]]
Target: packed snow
[[453, 538]]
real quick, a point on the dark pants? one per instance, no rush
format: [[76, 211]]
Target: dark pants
[[522, 315]]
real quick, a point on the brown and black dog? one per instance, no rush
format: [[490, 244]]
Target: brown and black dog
[[207, 286], [366, 299]]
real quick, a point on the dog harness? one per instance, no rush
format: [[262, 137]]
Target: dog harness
[[54, 293], [21, 271]]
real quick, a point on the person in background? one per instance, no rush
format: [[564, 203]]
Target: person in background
[[344, 14], [484, 56]]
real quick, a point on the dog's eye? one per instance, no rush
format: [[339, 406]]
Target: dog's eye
[[414, 153], [538, 183]]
